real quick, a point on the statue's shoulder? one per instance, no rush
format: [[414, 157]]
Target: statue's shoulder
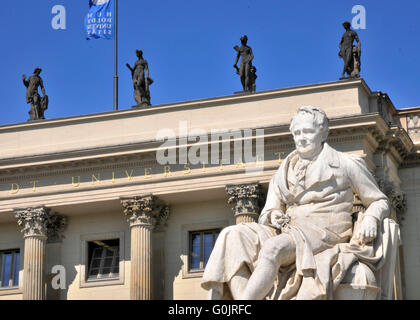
[[354, 33], [343, 158], [350, 160]]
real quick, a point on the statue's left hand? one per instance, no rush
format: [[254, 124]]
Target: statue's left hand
[[368, 230]]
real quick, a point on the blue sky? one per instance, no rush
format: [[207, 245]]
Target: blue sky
[[189, 47]]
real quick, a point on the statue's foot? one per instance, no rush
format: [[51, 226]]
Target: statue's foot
[[142, 105]]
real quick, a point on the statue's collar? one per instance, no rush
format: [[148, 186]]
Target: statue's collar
[[318, 172]]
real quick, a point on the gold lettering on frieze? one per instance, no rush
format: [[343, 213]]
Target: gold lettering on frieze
[[76, 185], [147, 173], [13, 189], [34, 185], [129, 176], [187, 168], [240, 164], [167, 171], [96, 179], [280, 154]]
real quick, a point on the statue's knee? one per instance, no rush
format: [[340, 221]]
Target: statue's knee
[[232, 230], [271, 249]]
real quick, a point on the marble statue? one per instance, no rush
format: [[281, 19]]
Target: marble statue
[[246, 71], [305, 243], [350, 53], [141, 80], [38, 104]]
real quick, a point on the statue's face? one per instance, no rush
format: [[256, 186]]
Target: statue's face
[[307, 135]]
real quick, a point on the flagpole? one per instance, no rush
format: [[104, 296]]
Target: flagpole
[[116, 57]]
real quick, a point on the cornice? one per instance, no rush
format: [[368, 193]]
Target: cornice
[[276, 138], [188, 104]]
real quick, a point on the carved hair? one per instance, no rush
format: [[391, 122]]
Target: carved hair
[[319, 116]]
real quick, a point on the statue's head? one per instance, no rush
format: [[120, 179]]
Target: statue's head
[[346, 25], [309, 128], [139, 53], [37, 71], [244, 39]]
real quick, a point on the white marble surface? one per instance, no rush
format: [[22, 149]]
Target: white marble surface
[[304, 245]]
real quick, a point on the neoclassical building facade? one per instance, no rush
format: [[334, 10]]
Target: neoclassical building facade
[[89, 210]]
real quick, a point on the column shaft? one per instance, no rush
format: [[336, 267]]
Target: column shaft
[[33, 270], [141, 260]]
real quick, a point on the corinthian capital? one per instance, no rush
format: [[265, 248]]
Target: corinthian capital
[[55, 227], [145, 210], [33, 221], [247, 201]]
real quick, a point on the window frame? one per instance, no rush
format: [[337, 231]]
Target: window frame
[[12, 268], [16, 245], [85, 282], [186, 231], [190, 245], [102, 259]]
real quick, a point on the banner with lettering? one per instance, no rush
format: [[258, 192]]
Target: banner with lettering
[[99, 22]]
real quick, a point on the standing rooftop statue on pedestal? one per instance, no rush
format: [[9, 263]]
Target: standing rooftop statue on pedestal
[[305, 244], [350, 53], [141, 81], [246, 71], [38, 104]]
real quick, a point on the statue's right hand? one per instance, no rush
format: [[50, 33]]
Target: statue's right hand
[[23, 77], [263, 220], [276, 217]]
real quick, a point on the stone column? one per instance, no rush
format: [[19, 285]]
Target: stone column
[[247, 200], [143, 213], [33, 224]]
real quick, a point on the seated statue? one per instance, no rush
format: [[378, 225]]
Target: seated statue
[[304, 245]]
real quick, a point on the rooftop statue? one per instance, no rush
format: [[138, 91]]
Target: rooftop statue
[[246, 71], [305, 243], [141, 80], [38, 104], [350, 53]]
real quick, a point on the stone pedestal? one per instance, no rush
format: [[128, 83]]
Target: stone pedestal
[[143, 213], [247, 200]]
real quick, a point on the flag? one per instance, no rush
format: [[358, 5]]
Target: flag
[[99, 22]]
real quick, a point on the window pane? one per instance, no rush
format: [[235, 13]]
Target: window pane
[[6, 270], [17, 269], [108, 262], [195, 251], [208, 246], [97, 253], [110, 252], [93, 273], [105, 272], [96, 263]]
